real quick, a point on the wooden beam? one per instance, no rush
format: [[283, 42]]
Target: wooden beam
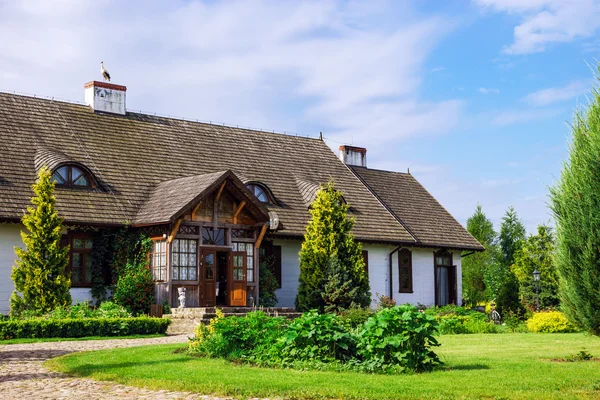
[[195, 210], [237, 212], [261, 236], [174, 231], [220, 191]]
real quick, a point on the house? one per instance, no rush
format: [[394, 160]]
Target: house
[[212, 198]]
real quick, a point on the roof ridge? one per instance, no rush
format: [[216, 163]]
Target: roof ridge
[[163, 116]]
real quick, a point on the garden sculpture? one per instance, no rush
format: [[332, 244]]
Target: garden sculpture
[[181, 291]]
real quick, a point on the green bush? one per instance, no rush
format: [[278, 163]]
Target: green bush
[[73, 328], [314, 337], [109, 309], [267, 283], [355, 316], [466, 324], [135, 289], [236, 337], [550, 322], [396, 339]]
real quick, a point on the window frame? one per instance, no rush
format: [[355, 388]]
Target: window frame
[[265, 190], [151, 258], [85, 254], [250, 258], [408, 269], [69, 183], [172, 253]]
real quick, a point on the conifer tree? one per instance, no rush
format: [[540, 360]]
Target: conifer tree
[[39, 274], [474, 266], [329, 233], [575, 202]]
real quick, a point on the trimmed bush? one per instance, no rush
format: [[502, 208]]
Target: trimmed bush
[[135, 289], [550, 322], [74, 328]]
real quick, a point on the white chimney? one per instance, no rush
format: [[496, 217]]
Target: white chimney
[[356, 156], [105, 97]]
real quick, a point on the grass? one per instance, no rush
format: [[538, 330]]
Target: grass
[[515, 366], [38, 340]]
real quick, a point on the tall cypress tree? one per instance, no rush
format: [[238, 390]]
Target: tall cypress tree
[[329, 233], [39, 274], [575, 202]]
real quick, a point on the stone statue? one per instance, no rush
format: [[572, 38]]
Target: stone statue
[[181, 291]]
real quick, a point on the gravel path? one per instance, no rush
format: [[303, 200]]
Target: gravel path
[[22, 375]]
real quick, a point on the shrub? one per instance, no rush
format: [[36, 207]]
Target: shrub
[[314, 337], [73, 328], [355, 317], [108, 309], [267, 283], [398, 338], [384, 301], [236, 337], [550, 322], [135, 289], [466, 325]]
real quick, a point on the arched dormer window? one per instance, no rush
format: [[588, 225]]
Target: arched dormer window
[[260, 191], [72, 175]]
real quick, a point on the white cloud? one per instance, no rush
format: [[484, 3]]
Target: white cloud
[[512, 117], [289, 66], [436, 69], [544, 22], [483, 90], [557, 94]]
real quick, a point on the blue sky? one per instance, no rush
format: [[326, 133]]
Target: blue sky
[[473, 96]]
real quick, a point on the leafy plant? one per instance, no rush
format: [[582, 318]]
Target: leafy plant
[[398, 338], [329, 232], [581, 355], [314, 337], [355, 317], [382, 301], [550, 322], [135, 289], [41, 283]]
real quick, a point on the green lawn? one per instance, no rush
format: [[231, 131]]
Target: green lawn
[[37, 340], [477, 366]]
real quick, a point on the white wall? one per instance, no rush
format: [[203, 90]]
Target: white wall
[[10, 237], [290, 271], [423, 278]]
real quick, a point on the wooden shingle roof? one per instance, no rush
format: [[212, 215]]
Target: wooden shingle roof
[[132, 154], [420, 213]]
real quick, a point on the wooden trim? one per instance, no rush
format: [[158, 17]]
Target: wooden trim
[[220, 190], [174, 231], [261, 236], [237, 212], [196, 210]]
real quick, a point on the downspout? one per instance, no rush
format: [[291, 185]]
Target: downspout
[[390, 272]]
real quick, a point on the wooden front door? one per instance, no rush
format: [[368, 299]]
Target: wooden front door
[[208, 273], [237, 277]]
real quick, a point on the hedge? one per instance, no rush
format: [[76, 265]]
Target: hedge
[[73, 328]]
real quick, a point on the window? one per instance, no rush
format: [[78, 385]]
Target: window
[[158, 260], [249, 249], [365, 255], [405, 271], [72, 175], [213, 236], [270, 255], [445, 279], [81, 261], [184, 259], [260, 192]]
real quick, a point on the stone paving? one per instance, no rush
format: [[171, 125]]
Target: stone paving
[[22, 375]]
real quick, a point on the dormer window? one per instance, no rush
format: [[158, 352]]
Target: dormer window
[[260, 192], [72, 176]]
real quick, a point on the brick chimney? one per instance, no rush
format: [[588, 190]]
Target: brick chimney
[[105, 97], [356, 156]]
